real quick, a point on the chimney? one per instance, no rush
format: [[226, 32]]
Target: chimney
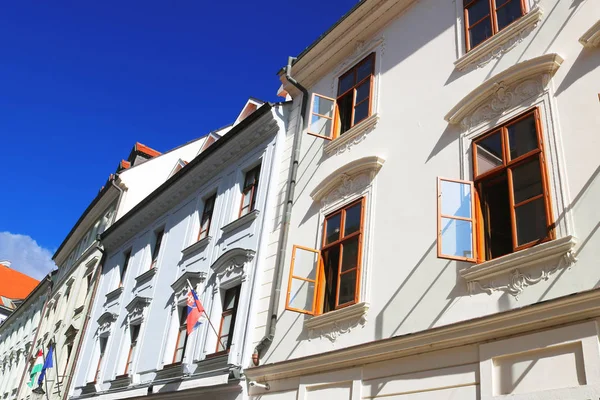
[[6, 263]]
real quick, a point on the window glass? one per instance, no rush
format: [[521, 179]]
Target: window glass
[[350, 254], [301, 295], [477, 10], [508, 12], [353, 219], [333, 228], [347, 287], [531, 221], [489, 153], [363, 91], [305, 264], [527, 180], [361, 112], [346, 83], [364, 69], [522, 137], [480, 32], [456, 199]]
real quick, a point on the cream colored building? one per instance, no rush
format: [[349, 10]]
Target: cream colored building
[[443, 241]]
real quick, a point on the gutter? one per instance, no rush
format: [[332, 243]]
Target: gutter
[[267, 340]]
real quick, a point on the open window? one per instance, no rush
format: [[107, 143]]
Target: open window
[[182, 336], [249, 191], [485, 18], [134, 332], [329, 279], [322, 116], [206, 218], [507, 206], [158, 237]]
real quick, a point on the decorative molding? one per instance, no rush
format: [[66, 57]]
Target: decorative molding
[[110, 296], [591, 37], [145, 276], [180, 286], [508, 268], [241, 221], [136, 308], [231, 264], [343, 178], [78, 310], [500, 43], [504, 90], [104, 322], [197, 246], [89, 266], [352, 136], [335, 323]]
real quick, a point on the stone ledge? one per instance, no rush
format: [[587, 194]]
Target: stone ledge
[[591, 37], [199, 245], [352, 136], [114, 294], [334, 323], [246, 219], [145, 276]]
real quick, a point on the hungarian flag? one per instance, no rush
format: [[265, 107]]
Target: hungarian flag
[[37, 367], [194, 311]]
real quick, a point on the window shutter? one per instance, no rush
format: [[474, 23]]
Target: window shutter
[[302, 285], [322, 113], [456, 220]]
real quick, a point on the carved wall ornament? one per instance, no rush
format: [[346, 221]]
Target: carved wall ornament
[[231, 265], [352, 136], [347, 187], [337, 328], [105, 322], [518, 280]]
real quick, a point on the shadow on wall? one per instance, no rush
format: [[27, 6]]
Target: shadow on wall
[[586, 62]]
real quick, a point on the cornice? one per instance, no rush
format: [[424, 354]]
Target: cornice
[[241, 221], [370, 164], [197, 246], [591, 37], [137, 302], [114, 294], [181, 282], [146, 275], [259, 131], [494, 88], [563, 310]]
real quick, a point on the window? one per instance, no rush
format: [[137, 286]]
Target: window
[[326, 280], [205, 220], [507, 207], [69, 350], [135, 331], [88, 279], [102, 344], [156, 249], [331, 118], [125, 266], [485, 18], [182, 336], [230, 304], [249, 191]]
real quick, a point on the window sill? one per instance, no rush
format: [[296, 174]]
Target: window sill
[[334, 323], [199, 245], [352, 136], [145, 276], [558, 252], [114, 294], [501, 42], [591, 37], [246, 219]]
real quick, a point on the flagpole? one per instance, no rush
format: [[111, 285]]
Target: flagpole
[[45, 380], [56, 366], [207, 317]]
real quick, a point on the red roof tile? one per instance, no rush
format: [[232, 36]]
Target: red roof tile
[[14, 284]]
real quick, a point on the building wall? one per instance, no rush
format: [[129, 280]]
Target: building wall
[[405, 286]]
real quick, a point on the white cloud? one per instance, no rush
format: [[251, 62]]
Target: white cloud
[[25, 255]]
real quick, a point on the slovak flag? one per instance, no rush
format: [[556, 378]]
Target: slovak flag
[[194, 311]]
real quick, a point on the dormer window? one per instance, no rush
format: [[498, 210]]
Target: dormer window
[[485, 18], [331, 118]]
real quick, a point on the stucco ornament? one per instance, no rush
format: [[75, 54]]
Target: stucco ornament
[[518, 280], [105, 322], [337, 328], [348, 186]]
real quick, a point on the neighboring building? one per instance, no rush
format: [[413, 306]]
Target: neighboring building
[[18, 333], [80, 255], [444, 239], [207, 225], [14, 287]]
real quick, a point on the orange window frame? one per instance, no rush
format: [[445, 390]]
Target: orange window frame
[[252, 188], [493, 15], [181, 330], [507, 166], [132, 346], [230, 311], [353, 89], [100, 358], [319, 281], [207, 216]]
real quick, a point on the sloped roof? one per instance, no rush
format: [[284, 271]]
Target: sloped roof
[[15, 285]]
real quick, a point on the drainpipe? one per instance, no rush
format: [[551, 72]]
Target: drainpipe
[[121, 191], [267, 340]]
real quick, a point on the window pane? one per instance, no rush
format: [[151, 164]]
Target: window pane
[[305, 264], [179, 355], [361, 111], [508, 13], [363, 91], [456, 199], [246, 200], [302, 295], [531, 221], [350, 254], [346, 82], [353, 218], [222, 342], [323, 106], [347, 287], [181, 339], [478, 10], [230, 296], [331, 260], [480, 32], [364, 70], [251, 177], [320, 126], [345, 112], [527, 180], [457, 238], [333, 228], [489, 153], [522, 137], [226, 325]]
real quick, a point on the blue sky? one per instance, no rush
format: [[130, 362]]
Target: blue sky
[[82, 81]]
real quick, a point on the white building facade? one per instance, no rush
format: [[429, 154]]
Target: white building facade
[[443, 241], [207, 226]]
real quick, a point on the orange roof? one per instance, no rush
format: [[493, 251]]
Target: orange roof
[[125, 164], [146, 150], [14, 284]]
